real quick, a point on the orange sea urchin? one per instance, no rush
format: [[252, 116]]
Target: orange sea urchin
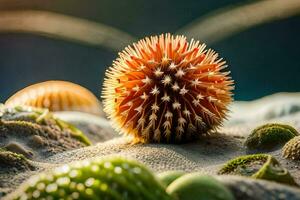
[[165, 89], [57, 96]]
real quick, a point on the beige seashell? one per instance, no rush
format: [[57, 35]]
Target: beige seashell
[[57, 96]]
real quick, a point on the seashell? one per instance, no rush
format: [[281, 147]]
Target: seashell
[[196, 186], [107, 178], [270, 136], [57, 96], [259, 166], [166, 89]]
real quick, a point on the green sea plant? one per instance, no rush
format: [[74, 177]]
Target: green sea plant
[[259, 166], [107, 178], [270, 135], [291, 149], [196, 186]]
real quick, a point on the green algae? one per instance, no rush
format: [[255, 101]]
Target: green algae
[[10, 160], [76, 133]]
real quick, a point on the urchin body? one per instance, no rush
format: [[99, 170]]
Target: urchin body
[[165, 89]]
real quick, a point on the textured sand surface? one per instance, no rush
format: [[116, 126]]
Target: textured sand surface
[[205, 155]]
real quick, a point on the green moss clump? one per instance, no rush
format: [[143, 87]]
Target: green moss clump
[[10, 160], [169, 176], [291, 149], [270, 136], [111, 178], [260, 166], [196, 186], [239, 165], [41, 117]]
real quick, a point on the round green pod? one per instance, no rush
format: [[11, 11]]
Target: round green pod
[[260, 166], [196, 186], [169, 176], [110, 178], [270, 135]]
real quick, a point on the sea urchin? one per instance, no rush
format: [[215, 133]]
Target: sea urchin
[[165, 89]]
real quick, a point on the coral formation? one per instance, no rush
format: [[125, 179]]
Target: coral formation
[[270, 136], [107, 178], [197, 186], [165, 89], [30, 131], [291, 149], [57, 96], [260, 166], [169, 176]]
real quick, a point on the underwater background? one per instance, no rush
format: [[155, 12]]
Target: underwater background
[[263, 59]]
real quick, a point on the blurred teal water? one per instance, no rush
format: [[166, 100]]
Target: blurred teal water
[[263, 60]]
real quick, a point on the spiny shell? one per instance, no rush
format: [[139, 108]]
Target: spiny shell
[[57, 96], [107, 178], [291, 149], [165, 89], [196, 186], [270, 135], [260, 166]]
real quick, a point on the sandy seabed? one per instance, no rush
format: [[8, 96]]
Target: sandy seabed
[[206, 155]]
